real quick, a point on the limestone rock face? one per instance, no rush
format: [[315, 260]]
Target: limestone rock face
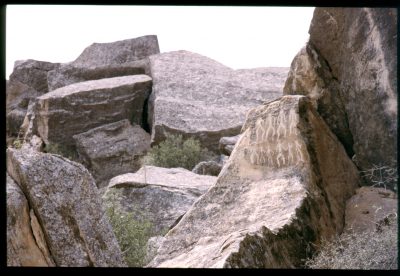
[[355, 64], [33, 73], [162, 195], [283, 189], [63, 197], [112, 149], [198, 97], [368, 208], [23, 247], [79, 107]]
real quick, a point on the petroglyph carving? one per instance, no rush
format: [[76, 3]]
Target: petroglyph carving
[[274, 140]]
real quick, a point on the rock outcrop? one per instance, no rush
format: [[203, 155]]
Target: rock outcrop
[[79, 107], [198, 97], [161, 195], [282, 191], [24, 236], [227, 144], [350, 68], [112, 149], [63, 197], [368, 208], [208, 168]]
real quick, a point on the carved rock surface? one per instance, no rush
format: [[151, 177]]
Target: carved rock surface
[[112, 149], [198, 97], [162, 195], [63, 197], [79, 107], [283, 189]]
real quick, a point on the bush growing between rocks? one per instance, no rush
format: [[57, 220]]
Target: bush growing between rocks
[[376, 249], [174, 152], [132, 234]]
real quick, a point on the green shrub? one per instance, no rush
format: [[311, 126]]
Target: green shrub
[[174, 152], [132, 233], [373, 249], [17, 143], [66, 151]]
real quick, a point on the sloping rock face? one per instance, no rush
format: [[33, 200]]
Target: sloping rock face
[[198, 97], [369, 207], [162, 195], [283, 189], [33, 73], [112, 149], [24, 248], [63, 197], [357, 53], [79, 107]]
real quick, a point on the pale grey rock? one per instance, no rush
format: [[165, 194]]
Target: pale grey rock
[[112, 149], [198, 97], [63, 196], [226, 144], [358, 47], [152, 246], [33, 73], [161, 195], [79, 107], [282, 191], [368, 208], [208, 168]]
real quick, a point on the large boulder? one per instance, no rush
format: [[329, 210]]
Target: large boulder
[[161, 195], [79, 107], [33, 73], [357, 50], [198, 97], [208, 168], [63, 197], [282, 191], [26, 245], [112, 149]]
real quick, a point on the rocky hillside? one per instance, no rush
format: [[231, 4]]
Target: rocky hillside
[[284, 151]]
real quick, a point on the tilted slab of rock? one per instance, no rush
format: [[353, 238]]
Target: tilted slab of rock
[[360, 47], [63, 197], [24, 248], [162, 195], [33, 73], [112, 149], [79, 107], [283, 190], [369, 207], [198, 97]]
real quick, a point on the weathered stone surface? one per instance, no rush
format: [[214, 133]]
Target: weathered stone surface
[[162, 195], [226, 144], [198, 97], [208, 168], [64, 199], [33, 73], [118, 52], [358, 47], [17, 99], [282, 191], [112, 149], [152, 246], [368, 208], [24, 248], [79, 107], [69, 74]]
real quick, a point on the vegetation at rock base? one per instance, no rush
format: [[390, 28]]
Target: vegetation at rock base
[[174, 152], [132, 234], [17, 143], [373, 249], [62, 150]]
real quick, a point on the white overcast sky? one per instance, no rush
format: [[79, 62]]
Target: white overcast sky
[[239, 37]]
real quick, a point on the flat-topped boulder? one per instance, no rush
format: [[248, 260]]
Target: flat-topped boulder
[[112, 149], [79, 107], [67, 210], [198, 97], [282, 191], [162, 195]]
